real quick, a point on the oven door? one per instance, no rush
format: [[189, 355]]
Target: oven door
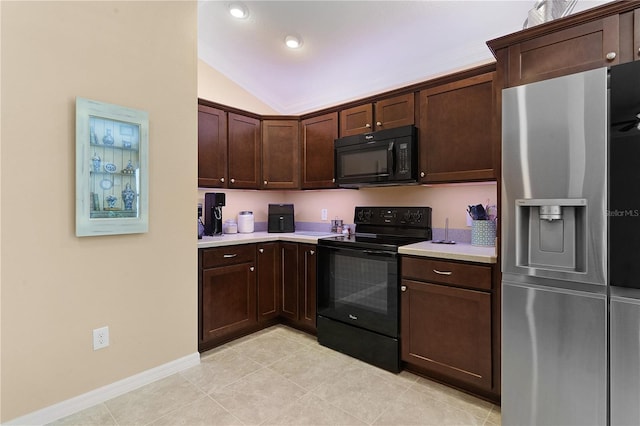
[[359, 287]]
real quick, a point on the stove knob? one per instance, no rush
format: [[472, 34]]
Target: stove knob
[[407, 216], [360, 215]]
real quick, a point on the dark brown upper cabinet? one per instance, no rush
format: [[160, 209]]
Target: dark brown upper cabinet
[[280, 154], [317, 137], [458, 133], [383, 114], [244, 152], [598, 37], [212, 147]]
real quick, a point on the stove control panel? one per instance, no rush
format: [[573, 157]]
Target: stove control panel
[[393, 216]]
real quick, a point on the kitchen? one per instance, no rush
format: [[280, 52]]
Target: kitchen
[[100, 287]]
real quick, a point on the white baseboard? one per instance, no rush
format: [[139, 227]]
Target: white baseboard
[[104, 393]]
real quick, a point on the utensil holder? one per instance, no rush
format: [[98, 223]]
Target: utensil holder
[[483, 233]]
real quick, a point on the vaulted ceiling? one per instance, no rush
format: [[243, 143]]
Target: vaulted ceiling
[[351, 49]]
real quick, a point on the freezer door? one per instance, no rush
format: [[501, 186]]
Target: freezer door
[[625, 360], [554, 356]]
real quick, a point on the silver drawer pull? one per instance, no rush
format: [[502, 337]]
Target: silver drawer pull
[[353, 317], [442, 272], [261, 250], [252, 268], [226, 256], [312, 252], [403, 288]]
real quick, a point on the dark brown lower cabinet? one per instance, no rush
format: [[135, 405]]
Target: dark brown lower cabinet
[[244, 288], [268, 262], [227, 293], [307, 266], [447, 327], [299, 285]]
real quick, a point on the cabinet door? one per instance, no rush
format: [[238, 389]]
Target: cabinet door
[[447, 330], [307, 267], [318, 135], [458, 131], [280, 154], [289, 280], [582, 47], [244, 152], [228, 300], [395, 112], [268, 259], [356, 120], [212, 147]]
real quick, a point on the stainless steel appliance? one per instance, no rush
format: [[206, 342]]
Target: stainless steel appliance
[[358, 283], [569, 164], [385, 157], [213, 203], [280, 218]]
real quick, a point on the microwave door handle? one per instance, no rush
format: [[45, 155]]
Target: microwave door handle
[[391, 158]]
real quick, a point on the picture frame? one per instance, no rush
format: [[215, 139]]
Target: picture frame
[[112, 169]]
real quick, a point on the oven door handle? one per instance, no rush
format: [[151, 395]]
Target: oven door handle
[[379, 252]]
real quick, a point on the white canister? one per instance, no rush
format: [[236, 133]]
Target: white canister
[[245, 222]]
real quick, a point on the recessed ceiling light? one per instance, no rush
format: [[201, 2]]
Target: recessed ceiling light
[[238, 10], [293, 42]]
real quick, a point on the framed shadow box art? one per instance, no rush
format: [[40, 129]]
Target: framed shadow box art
[[112, 176]]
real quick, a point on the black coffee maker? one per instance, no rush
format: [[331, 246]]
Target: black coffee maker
[[213, 203]]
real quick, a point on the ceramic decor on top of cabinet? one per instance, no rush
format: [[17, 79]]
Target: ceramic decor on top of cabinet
[[383, 114]]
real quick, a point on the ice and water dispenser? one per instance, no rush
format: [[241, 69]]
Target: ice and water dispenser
[[551, 234]]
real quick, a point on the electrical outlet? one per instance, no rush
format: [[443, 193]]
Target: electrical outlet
[[100, 338], [324, 214]]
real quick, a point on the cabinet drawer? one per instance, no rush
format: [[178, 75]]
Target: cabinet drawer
[[229, 255], [440, 271]]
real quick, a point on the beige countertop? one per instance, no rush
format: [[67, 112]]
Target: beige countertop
[[307, 237], [458, 251]]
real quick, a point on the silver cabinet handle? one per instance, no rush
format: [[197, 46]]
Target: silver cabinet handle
[[333, 180], [233, 180], [227, 256], [611, 56], [403, 288], [353, 317], [312, 252], [367, 125], [265, 182], [378, 123], [442, 272], [261, 250], [222, 180], [252, 268], [421, 174]]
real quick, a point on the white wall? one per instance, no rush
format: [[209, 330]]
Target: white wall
[[55, 286]]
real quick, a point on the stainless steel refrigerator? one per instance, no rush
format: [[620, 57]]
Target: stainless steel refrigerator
[[571, 234]]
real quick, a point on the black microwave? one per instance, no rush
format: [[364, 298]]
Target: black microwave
[[385, 157]]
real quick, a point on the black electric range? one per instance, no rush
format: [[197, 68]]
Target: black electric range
[[385, 228], [358, 283]]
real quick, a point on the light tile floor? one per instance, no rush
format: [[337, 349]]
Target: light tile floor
[[280, 376]]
